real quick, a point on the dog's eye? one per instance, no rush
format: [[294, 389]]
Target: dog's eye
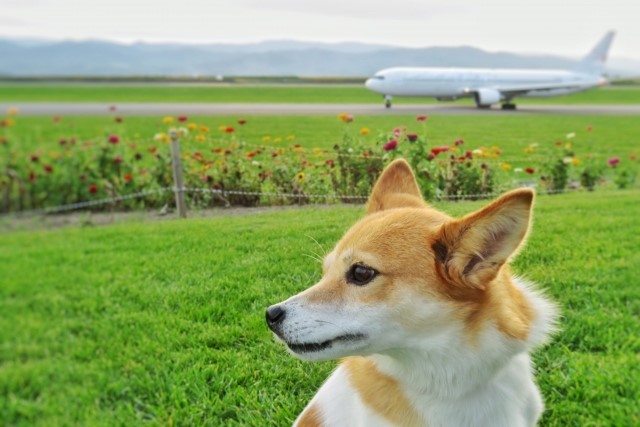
[[360, 274]]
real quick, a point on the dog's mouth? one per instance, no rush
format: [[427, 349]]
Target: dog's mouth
[[315, 347]]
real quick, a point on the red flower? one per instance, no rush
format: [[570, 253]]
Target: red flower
[[391, 145], [558, 143], [229, 129], [530, 171], [422, 118], [152, 149], [48, 168], [3, 140], [412, 137], [62, 142], [274, 154], [216, 186], [93, 189], [137, 156], [57, 119], [250, 155], [613, 162], [468, 154], [589, 128], [117, 160], [459, 142], [114, 139], [128, 177], [35, 158], [329, 162], [242, 122], [118, 119], [183, 118], [32, 176], [228, 151], [437, 150]]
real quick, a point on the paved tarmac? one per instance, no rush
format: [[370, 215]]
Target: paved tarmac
[[224, 109]]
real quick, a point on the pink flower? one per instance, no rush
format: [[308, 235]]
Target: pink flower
[[412, 137], [112, 108], [422, 118], [114, 139], [613, 162], [391, 145]]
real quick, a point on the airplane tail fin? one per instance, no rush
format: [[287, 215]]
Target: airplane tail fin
[[594, 62]]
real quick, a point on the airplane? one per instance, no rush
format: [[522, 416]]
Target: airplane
[[492, 86]]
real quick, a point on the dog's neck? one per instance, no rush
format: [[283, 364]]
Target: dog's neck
[[456, 365]]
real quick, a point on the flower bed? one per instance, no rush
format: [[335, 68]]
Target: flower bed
[[222, 168]]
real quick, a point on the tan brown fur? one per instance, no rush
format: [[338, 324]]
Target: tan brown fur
[[380, 392], [310, 417]]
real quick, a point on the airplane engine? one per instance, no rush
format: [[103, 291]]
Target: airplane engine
[[486, 97]]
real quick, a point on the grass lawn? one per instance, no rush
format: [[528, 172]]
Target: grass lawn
[[266, 94], [162, 323]]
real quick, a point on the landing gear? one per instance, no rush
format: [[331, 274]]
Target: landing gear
[[508, 106], [387, 101]]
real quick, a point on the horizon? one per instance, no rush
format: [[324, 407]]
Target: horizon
[[563, 29]]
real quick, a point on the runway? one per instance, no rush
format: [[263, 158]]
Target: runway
[[248, 109]]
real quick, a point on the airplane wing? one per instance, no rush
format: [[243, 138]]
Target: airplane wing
[[513, 90]]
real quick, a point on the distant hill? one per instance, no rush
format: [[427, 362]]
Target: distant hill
[[32, 57]]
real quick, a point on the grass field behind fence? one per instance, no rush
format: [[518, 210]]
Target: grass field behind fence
[[114, 93], [609, 135], [162, 323]]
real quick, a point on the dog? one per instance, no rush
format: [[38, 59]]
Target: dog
[[433, 328]]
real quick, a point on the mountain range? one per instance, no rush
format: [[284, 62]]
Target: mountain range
[[33, 57]]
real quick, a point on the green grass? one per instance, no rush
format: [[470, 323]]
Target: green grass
[[611, 135], [264, 94], [162, 323]]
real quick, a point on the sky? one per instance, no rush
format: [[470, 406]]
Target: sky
[[559, 27]]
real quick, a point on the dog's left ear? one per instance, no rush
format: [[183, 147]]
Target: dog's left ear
[[396, 187], [470, 251]]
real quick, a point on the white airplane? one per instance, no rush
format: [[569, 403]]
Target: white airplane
[[492, 86]]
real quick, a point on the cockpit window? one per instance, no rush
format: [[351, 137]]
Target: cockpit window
[[378, 77]]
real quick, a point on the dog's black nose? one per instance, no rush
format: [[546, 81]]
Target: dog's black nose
[[275, 315]]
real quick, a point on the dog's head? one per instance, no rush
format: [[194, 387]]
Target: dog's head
[[406, 274]]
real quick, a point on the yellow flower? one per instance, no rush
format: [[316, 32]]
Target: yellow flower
[[364, 131], [222, 128], [54, 155], [192, 126], [266, 138], [167, 120], [200, 138], [300, 177], [453, 149], [571, 135], [12, 111], [278, 139], [343, 116], [575, 161], [505, 166], [205, 129], [291, 137], [161, 137], [528, 149], [567, 146]]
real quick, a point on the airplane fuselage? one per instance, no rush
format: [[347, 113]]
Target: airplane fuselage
[[452, 83]]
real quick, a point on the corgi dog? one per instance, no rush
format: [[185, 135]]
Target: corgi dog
[[432, 327]]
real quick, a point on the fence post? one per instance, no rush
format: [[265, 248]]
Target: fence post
[[178, 183]]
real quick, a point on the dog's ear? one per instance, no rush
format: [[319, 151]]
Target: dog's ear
[[396, 187], [470, 251]]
